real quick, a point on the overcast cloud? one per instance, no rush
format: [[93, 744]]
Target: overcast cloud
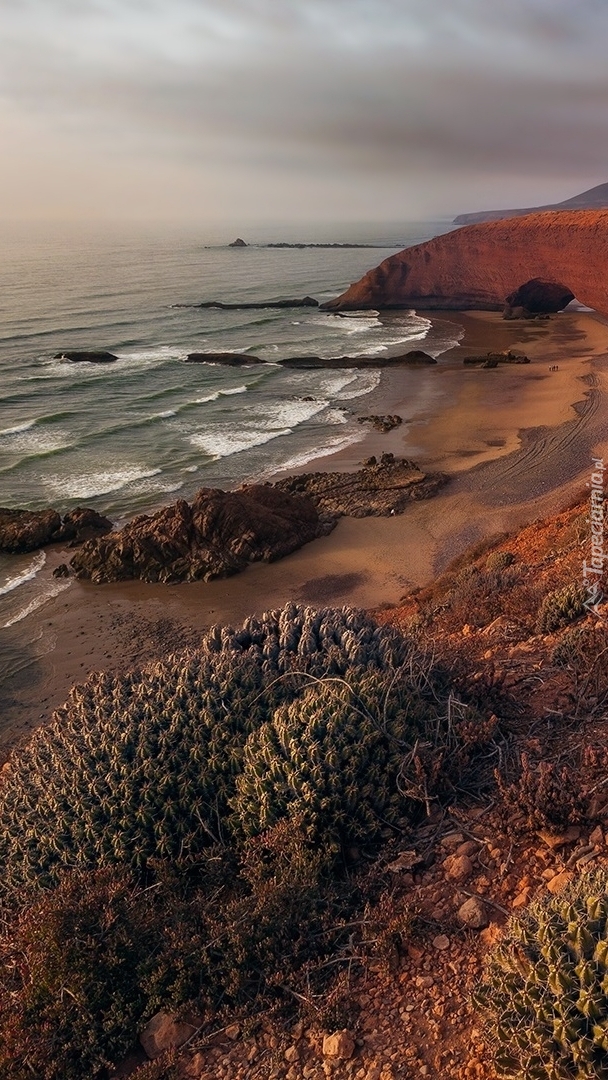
[[309, 110]]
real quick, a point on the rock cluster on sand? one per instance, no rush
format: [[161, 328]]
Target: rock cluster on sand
[[493, 359], [215, 536], [377, 490], [221, 532], [26, 530], [382, 423], [481, 265]]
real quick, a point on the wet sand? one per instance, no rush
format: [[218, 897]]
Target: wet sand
[[516, 441]]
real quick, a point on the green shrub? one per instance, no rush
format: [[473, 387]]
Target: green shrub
[[544, 992], [332, 758], [560, 607], [499, 560], [141, 767]]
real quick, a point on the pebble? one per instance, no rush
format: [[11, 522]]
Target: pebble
[[473, 913], [441, 942]]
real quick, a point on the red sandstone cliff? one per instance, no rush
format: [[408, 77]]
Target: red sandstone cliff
[[478, 266]]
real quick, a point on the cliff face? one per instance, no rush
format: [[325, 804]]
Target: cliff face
[[479, 266]]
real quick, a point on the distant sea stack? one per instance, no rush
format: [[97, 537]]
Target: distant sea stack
[[238, 243], [479, 266], [595, 198]]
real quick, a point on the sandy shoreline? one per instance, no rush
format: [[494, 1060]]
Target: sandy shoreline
[[510, 438]]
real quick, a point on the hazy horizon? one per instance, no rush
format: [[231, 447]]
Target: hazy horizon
[[242, 115]]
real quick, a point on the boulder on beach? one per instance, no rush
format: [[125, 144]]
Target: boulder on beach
[[228, 359], [86, 356], [27, 530], [215, 536], [493, 359], [379, 489]]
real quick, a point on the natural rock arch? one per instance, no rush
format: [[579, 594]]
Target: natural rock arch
[[481, 265], [537, 297]]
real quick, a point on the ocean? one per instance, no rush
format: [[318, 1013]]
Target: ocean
[[127, 437]]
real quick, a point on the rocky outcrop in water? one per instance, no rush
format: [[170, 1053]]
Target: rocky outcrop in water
[[377, 490], [86, 356], [26, 530], [238, 243], [414, 358], [381, 423], [481, 265], [261, 305], [218, 534]]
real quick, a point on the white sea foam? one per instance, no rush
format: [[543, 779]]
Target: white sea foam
[[234, 390], [26, 575], [287, 413], [335, 416], [224, 442], [89, 485], [53, 588], [163, 415], [364, 382], [18, 428], [330, 446], [31, 440]]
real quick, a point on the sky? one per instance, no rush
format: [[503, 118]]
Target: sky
[[253, 111]]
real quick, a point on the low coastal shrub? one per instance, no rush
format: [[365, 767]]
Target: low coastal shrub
[[141, 767], [477, 596], [73, 970], [544, 795], [560, 607], [499, 560], [544, 991]]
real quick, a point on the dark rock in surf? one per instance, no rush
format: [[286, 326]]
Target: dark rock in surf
[[414, 358], [258, 305], [418, 356], [228, 359], [27, 530], [382, 423], [87, 356], [83, 524], [238, 243]]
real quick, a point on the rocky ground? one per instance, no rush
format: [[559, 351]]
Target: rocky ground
[[404, 1009]]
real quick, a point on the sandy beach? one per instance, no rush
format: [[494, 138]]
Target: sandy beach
[[516, 442]]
